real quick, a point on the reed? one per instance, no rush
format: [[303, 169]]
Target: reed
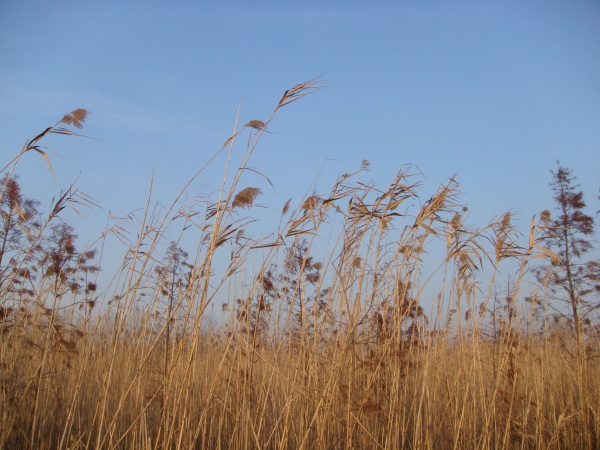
[[366, 317]]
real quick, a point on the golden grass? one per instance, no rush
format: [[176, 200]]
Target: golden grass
[[478, 395], [355, 344]]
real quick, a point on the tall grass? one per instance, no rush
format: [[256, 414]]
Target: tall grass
[[365, 318]]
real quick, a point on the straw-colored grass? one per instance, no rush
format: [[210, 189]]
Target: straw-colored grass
[[387, 332]]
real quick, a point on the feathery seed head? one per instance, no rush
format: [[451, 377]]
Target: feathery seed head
[[245, 198]]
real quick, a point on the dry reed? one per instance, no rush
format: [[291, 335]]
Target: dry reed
[[357, 343]]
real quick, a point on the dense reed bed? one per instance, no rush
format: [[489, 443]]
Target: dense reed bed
[[365, 317]]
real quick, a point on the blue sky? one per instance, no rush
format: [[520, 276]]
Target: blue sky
[[493, 91]]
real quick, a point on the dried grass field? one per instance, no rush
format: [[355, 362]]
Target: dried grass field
[[331, 333]]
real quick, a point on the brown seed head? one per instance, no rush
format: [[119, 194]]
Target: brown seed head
[[245, 198], [76, 118], [256, 124]]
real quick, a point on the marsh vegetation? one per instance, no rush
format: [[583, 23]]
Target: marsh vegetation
[[366, 317]]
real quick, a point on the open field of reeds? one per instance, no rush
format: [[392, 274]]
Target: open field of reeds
[[367, 317]]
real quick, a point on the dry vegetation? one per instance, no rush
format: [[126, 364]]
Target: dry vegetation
[[367, 318]]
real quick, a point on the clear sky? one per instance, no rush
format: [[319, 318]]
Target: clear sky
[[493, 91]]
